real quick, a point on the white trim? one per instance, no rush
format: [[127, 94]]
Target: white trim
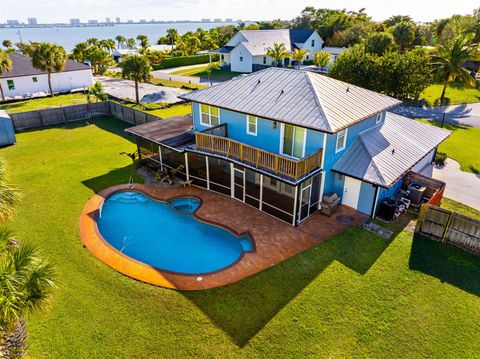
[[345, 130], [248, 125], [295, 206], [160, 156], [208, 172], [377, 190], [308, 203], [186, 167], [261, 192], [323, 173]]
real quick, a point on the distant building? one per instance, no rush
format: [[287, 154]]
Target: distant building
[[12, 22], [107, 20], [130, 21], [117, 20], [143, 21], [32, 21], [74, 22], [217, 20], [92, 22], [25, 81], [205, 20], [228, 20]]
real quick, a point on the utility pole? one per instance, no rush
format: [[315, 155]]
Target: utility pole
[[20, 36]]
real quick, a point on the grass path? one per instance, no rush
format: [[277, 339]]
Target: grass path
[[355, 295]]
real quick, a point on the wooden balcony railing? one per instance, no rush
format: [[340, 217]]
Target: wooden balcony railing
[[258, 158]]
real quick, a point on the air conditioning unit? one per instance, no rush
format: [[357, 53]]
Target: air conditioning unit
[[417, 191]]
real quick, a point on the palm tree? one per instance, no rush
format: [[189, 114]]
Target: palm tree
[[130, 42], [120, 40], [143, 41], [5, 65], [278, 52], [7, 43], [108, 45], [8, 195], [137, 68], [97, 92], [448, 61], [322, 59], [298, 56], [404, 34], [26, 281], [49, 58], [172, 34]]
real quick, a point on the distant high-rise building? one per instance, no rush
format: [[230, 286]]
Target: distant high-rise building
[[117, 20], [74, 22], [107, 20], [217, 20], [32, 21], [92, 22], [12, 22], [129, 21], [143, 21], [205, 20], [228, 20]]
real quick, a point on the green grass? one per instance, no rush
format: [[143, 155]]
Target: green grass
[[161, 82], [44, 103], [201, 71], [160, 111], [463, 146], [456, 94], [458, 207], [355, 295]]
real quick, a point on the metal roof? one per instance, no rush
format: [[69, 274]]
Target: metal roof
[[384, 153], [22, 66], [302, 98]]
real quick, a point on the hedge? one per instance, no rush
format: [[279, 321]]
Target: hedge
[[185, 61]]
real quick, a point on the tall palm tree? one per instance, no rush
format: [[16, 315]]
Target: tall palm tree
[[298, 56], [448, 61], [26, 281], [96, 92], [8, 195], [322, 59], [278, 52], [143, 41], [137, 68], [404, 34], [49, 58], [5, 65], [172, 34], [7, 43], [120, 40], [108, 45]]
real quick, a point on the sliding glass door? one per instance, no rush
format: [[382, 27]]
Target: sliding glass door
[[293, 141]]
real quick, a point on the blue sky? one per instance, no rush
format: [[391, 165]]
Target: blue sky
[[62, 10]]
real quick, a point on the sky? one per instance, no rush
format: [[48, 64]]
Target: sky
[[48, 11]]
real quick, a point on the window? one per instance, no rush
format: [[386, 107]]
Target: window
[[264, 60], [10, 85], [293, 141], [313, 43], [252, 125], [308, 57], [378, 118], [34, 79], [210, 116], [341, 140], [241, 58]]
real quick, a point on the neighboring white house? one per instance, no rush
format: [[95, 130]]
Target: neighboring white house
[[247, 50], [25, 81]]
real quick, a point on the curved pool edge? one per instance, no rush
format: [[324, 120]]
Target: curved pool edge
[[102, 250]]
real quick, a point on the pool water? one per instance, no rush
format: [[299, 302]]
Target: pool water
[[168, 238]]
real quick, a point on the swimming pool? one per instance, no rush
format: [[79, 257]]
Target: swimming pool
[[167, 235]]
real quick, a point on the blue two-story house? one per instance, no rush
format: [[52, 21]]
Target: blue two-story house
[[280, 139]]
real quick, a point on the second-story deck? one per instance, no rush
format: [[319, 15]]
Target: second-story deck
[[215, 140]]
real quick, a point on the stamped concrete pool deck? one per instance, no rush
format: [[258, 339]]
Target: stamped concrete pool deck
[[275, 241]]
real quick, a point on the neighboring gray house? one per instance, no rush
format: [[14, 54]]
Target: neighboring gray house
[[247, 50]]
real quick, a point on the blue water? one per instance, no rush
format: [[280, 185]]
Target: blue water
[[185, 204], [156, 234]]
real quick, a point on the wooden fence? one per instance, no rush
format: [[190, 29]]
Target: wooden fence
[[449, 227], [60, 115]]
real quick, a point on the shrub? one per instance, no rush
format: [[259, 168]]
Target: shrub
[[169, 62], [440, 159]]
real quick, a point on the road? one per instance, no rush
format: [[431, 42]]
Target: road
[[467, 114]]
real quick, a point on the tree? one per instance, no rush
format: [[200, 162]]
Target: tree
[[143, 41], [448, 61], [278, 52], [130, 42], [136, 67], [108, 45], [322, 59], [49, 58], [7, 43], [5, 66], [120, 40], [211, 67], [172, 35], [298, 56], [378, 43], [26, 49], [99, 59], [404, 34], [26, 281], [96, 92], [395, 19]]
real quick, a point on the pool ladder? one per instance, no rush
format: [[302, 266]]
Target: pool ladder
[[131, 185]]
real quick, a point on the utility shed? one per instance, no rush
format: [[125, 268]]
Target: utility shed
[[7, 134]]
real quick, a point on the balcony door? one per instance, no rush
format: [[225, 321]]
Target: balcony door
[[293, 141]]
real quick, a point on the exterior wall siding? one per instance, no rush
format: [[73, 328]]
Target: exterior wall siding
[[241, 66], [366, 199]]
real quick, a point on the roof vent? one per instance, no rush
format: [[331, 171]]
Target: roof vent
[[282, 92], [348, 89], [258, 81], [393, 151]]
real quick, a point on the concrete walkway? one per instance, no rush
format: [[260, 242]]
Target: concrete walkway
[[160, 74], [466, 114], [462, 186], [188, 67]]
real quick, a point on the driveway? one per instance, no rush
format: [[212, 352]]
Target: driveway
[[125, 89], [462, 186], [466, 114]]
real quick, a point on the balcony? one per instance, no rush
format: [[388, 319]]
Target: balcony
[[215, 141]]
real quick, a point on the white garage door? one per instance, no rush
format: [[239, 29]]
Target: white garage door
[[424, 162]]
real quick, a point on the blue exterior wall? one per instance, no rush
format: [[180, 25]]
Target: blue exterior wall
[[268, 137], [389, 192], [366, 198]]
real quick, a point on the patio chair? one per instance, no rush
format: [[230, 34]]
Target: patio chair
[[330, 203]]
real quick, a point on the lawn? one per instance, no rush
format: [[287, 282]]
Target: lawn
[[161, 82], [355, 295], [201, 71], [161, 111], [44, 103], [463, 146], [456, 94], [458, 207]]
